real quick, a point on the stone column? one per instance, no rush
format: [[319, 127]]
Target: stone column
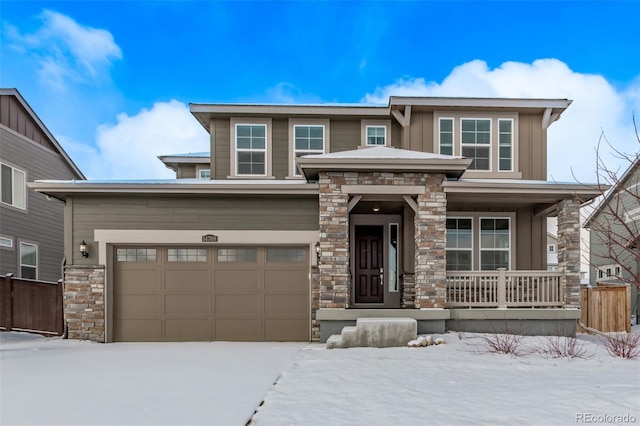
[[430, 241], [84, 302], [569, 250], [334, 242]]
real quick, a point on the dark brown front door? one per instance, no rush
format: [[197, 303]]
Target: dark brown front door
[[369, 286]]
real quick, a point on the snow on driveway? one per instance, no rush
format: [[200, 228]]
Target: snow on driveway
[[452, 384], [64, 382]]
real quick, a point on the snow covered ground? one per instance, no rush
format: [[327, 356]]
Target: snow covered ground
[[55, 382]]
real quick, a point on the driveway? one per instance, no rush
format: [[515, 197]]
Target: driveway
[[63, 382]]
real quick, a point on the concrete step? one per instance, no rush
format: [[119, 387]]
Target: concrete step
[[376, 333]]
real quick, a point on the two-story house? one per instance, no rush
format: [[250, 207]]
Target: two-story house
[[303, 218], [31, 225]]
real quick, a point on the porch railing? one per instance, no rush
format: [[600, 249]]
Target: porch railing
[[504, 289]]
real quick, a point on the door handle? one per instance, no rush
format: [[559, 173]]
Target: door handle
[[381, 276]]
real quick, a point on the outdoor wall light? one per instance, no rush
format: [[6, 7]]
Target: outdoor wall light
[[83, 249], [318, 251]]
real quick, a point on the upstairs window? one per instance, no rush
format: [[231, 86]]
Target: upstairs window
[[376, 135], [476, 142], [13, 187], [446, 136], [505, 145], [308, 140], [204, 173], [251, 149]]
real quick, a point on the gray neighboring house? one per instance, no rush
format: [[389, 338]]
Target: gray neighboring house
[[614, 230], [31, 224], [304, 218]]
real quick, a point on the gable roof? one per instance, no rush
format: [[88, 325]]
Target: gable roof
[[15, 93], [633, 167]]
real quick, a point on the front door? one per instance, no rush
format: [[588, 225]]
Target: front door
[[369, 268]]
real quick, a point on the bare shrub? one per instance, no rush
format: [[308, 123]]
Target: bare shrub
[[562, 347], [508, 344], [622, 345]]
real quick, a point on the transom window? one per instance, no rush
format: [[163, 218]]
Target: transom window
[[476, 142], [376, 135], [251, 149], [286, 255], [307, 140], [495, 246], [13, 188], [136, 255], [6, 242], [28, 261], [187, 255], [459, 244], [237, 255]]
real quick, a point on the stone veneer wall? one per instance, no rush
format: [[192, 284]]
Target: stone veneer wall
[[84, 302], [430, 261], [430, 238], [569, 250]]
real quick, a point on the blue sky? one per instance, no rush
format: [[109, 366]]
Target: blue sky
[[113, 79]]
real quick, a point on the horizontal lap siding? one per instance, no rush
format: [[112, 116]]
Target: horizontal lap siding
[[42, 222], [175, 212]]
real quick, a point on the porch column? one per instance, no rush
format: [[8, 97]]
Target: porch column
[[334, 241], [569, 250], [430, 240]]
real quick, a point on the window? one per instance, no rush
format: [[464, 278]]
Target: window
[[286, 255], [632, 215], [459, 244], [237, 255], [476, 142], [204, 174], [28, 261], [446, 136], [12, 182], [551, 248], [6, 242], [307, 140], [136, 255], [376, 135], [505, 145], [187, 255], [494, 243], [251, 149]]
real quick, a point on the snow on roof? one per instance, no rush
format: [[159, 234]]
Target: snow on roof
[[179, 182], [383, 152], [188, 154]]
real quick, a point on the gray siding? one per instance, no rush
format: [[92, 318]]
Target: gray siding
[[186, 171], [172, 212], [14, 116], [280, 148], [532, 147], [221, 158], [42, 222], [345, 135]]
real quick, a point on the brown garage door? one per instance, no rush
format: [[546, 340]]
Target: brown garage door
[[203, 294]]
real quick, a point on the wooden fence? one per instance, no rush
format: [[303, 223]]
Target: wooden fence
[[606, 307], [30, 305]]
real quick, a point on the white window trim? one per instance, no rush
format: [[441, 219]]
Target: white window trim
[[20, 264], [473, 245], [498, 145], [15, 169], [251, 121], [608, 272], [374, 123], [494, 147], [10, 240], [293, 122], [551, 248], [480, 249], [203, 169], [453, 133], [475, 224]]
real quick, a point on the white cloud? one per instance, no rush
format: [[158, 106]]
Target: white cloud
[[597, 107], [129, 149], [66, 50]]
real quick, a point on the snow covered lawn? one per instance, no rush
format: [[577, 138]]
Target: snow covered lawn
[[452, 384]]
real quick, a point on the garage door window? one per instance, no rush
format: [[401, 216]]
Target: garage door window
[[187, 255], [136, 255], [286, 255], [237, 255]]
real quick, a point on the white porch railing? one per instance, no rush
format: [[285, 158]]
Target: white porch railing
[[504, 289]]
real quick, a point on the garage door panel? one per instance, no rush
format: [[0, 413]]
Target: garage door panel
[[138, 330], [286, 305], [238, 330], [237, 280], [187, 280], [187, 305], [188, 330], [139, 279], [286, 280], [237, 305], [137, 306], [287, 330]]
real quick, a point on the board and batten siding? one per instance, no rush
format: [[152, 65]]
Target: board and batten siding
[[532, 147], [42, 221], [166, 212], [14, 116]]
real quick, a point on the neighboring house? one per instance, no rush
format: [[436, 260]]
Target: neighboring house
[[31, 224], [315, 216], [614, 228], [552, 252]]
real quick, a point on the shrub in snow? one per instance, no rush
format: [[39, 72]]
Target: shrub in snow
[[562, 347], [508, 344], [622, 345]]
